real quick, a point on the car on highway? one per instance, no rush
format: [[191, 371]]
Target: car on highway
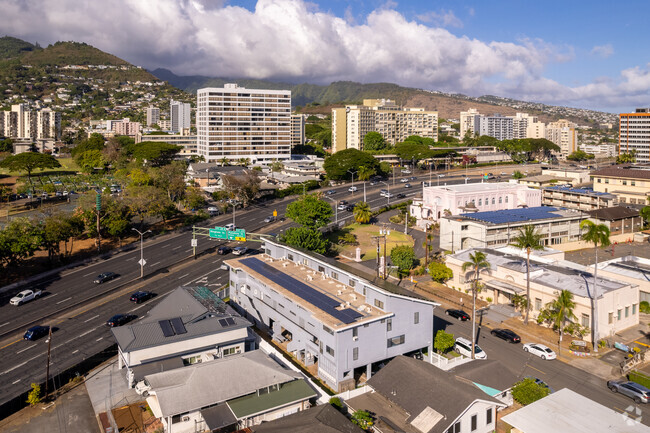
[[407, 185], [638, 393], [506, 334], [330, 192], [539, 350], [269, 219], [343, 202], [230, 227], [404, 179], [119, 320], [464, 347], [373, 183], [503, 173], [342, 206], [349, 208], [239, 251], [457, 314], [383, 192], [389, 195], [213, 211], [141, 296], [25, 296], [353, 189], [413, 178], [106, 276], [441, 175], [223, 250], [36, 332], [400, 195]]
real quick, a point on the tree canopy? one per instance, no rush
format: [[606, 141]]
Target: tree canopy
[[310, 211], [580, 155], [306, 238], [337, 165], [403, 256], [374, 141], [155, 153]]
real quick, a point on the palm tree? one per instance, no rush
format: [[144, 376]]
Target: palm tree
[[597, 234], [224, 161], [362, 213], [528, 239], [364, 174], [477, 263], [558, 312]]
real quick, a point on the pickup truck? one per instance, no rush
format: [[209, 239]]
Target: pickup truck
[[25, 296]]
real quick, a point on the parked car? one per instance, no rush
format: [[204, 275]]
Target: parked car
[[106, 276], [25, 296], [223, 250], [464, 347], [119, 320], [400, 195], [457, 314], [539, 350], [36, 332], [269, 219], [343, 202], [407, 185], [239, 251], [638, 393], [141, 296], [506, 334], [353, 189], [330, 192], [404, 179]]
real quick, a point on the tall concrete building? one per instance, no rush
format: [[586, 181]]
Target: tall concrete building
[[351, 124], [497, 126], [48, 124], [564, 134], [297, 129], [179, 114], [527, 126], [153, 115], [234, 123], [20, 122], [467, 121], [634, 134]]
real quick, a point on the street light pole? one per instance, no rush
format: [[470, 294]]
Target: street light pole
[[388, 195], [234, 206], [352, 173], [142, 262]]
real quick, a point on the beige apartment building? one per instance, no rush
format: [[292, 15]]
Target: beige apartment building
[[238, 123], [564, 134], [634, 134], [297, 129], [351, 124], [630, 183]]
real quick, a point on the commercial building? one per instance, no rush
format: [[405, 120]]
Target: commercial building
[[634, 134], [440, 201], [179, 115], [153, 115], [575, 176], [618, 301], [521, 125], [351, 124], [632, 269], [600, 150], [238, 123], [337, 323], [297, 130], [498, 228], [564, 134], [188, 142], [584, 199], [619, 220], [631, 183]]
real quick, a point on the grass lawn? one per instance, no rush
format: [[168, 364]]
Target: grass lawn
[[368, 245]]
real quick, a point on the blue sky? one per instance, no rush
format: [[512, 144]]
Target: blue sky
[[575, 53]]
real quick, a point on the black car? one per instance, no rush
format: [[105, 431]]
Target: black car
[[457, 314], [224, 250], [36, 332], [106, 276], [141, 296], [400, 195], [506, 334], [349, 208], [119, 320]]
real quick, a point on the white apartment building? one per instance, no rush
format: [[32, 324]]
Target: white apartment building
[[564, 134], [634, 133], [179, 115], [234, 123], [439, 201], [153, 115], [527, 126], [297, 129], [20, 122], [497, 126], [599, 150], [521, 125], [467, 121], [351, 124]]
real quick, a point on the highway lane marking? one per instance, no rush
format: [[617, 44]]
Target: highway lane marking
[[537, 369], [631, 415], [132, 258], [175, 248], [94, 317], [181, 277], [16, 381], [52, 295], [91, 273], [137, 308], [21, 364], [4, 324], [85, 333], [99, 339], [9, 344], [187, 251], [642, 344], [26, 348], [75, 351], [157, 263], [66, 299]]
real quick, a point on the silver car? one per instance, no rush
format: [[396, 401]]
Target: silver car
[[639, 393]]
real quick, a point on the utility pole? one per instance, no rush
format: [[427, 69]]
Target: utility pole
[[98, 206], [385, 262], [142, 261], [47, 368]]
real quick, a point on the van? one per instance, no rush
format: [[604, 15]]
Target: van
[[213, 211], [464, 347], [230, 227]]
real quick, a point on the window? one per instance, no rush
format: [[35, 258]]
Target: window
[[395, 341], [492, 200], [321, 268], [599, 180], [610, 318], [474, 422], [606, 180], [355, 353], [335, 275], [625, 182], [454, 428], [627, 312], [585, 320], [231, 351], [379, 304], [389, 325], [480, 202], [192, 360], [464, 227], [538, 304], [365, 288], [351, 283], [633, 309], [500, 200], [329, 350], [355, 332], [488, 416], [506, 199], [416, 317], [618, 315], [633, 182], [290, 257]]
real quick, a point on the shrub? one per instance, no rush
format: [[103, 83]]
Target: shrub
[[348, 239], [362, 418], [443, 341], [640, 378], [644, 307], [34, 396], [527, 391], [489, 299], [336, 402], [440, 272]]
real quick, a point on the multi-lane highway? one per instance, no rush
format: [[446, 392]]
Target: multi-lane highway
[[77, 309]]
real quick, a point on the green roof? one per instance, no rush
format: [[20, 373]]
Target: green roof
[[289, 392]]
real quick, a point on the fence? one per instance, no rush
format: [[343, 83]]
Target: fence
[[447, 364]]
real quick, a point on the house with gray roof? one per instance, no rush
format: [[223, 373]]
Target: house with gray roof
[[320, 419], [490, 376], [413, 396], [190, 325], [229, 393]]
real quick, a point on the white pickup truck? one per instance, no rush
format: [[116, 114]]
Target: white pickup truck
[[25, 296]]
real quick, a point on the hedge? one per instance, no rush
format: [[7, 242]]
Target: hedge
[[640, 378]]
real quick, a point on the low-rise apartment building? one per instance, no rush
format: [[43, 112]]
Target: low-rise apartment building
[[498, 228], [619, 219], [631, 183], [334, 321], [618, 301], [584, 199], [440, 201]]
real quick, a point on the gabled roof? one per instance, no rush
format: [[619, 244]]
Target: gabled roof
[[201, 385], [319, 419], [613, 213], [409, 382], [489, 372]]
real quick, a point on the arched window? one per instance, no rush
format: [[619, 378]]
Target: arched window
[[492, 200], [480, 201], [500, 200]]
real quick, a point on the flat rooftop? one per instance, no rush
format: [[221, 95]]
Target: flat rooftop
[[629, 266], [580, 191], [497, 217], [475, 187], [330, 301]]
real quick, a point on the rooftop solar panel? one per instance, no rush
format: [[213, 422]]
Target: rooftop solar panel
[[223, 323], [302, 290], [514, 215], [166, 328], [177, 325], [230, 321]]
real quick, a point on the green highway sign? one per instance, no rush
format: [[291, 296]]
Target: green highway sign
[[231, 235]]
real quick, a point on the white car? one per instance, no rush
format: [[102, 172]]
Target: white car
[[239, 251], [353, 189], [539, 350], [464, 347], [213, 210], [404, 179]]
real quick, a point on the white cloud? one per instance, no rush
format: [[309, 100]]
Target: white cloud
[[294, 40], [442, 18], [603, 51]]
